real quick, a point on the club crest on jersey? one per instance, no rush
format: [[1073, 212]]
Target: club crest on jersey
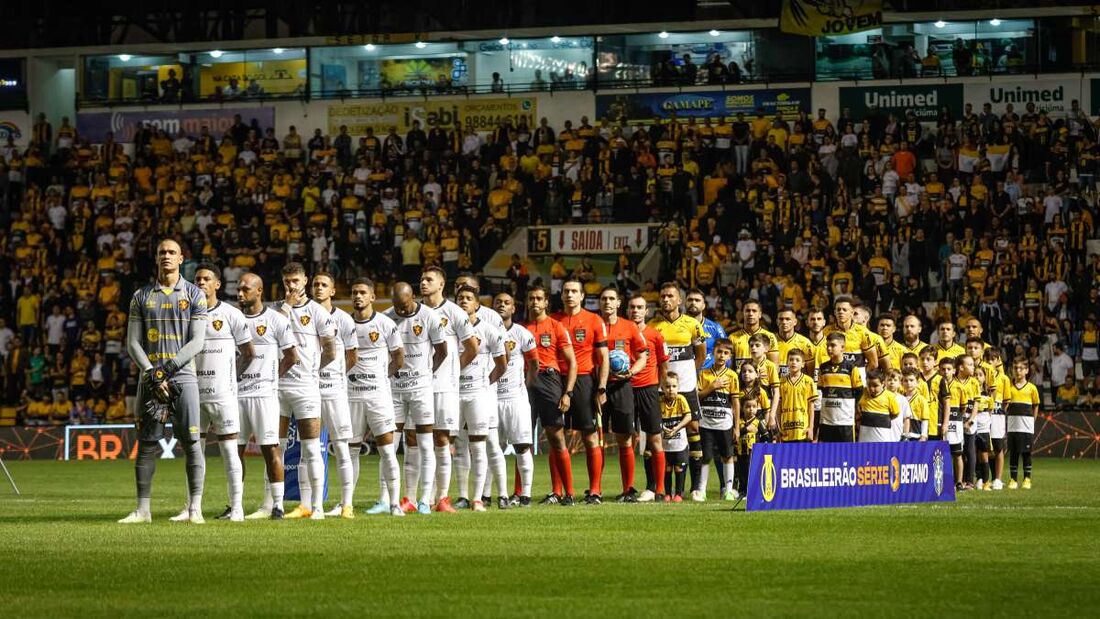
[[261, 329], [417, 330], [217, 324], [580, 335], [304, 320], [442, 321], [510, 345], [373, 336], [544, 340], [183, 304]]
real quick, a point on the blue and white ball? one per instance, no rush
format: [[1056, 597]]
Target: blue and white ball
[[620, 362]]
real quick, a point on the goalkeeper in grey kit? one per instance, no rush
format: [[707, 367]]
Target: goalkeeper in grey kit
[[166, 329]]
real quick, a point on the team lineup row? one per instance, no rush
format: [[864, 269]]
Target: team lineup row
[[456, 380]]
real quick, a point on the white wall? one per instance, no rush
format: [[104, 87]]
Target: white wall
[[52, 87]]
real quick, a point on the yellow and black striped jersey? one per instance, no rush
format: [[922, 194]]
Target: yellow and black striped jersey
[[1020, 403], [877, 411], [680, 335], [839, 384], [716, 411]]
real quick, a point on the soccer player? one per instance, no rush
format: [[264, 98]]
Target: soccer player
[[314, 335], [589, 337], [910, 335], [228, 345], [551, 394], [335, 411], [841, 383], [695, 304], [619, 412], [718, 410], [647, 412], [887, 327], [876, 411], [685, 342], [862, 317], [751, 314], [258, 385], [858, 346], [512, 399], [425, 346], [787, 339], [1021, 404], [167, 328], [946, 348], [380, 355], [475, 379], [815, 333], [675, 415], [797, 393], [458, 332]]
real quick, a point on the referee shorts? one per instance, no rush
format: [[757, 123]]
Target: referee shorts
[[647, 409], [546, 392], [581, 414], [618, 412]]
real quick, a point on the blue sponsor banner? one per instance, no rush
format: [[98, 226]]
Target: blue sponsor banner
[[125, 123], [647, 107], [293, 455], [807, 476]]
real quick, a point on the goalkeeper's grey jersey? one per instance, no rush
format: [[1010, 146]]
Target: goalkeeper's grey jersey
[[163, 315]]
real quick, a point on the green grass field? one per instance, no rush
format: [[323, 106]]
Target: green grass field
[[1014, 553]]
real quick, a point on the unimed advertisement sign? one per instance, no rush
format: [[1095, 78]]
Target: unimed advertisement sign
[[925, 100], [1052, 96]]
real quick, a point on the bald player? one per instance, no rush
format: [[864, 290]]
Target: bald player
[[166, 329]]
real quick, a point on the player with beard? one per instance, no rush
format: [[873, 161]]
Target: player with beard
[[788, 339], [512, 399], [751, 314], [695, 305], [910, 335]]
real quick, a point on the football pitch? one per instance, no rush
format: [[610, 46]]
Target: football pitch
[[1020, 553]]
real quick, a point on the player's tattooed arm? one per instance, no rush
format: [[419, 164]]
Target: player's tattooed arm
[[328, 350], [289, 358], [245, 354], [439, 354]]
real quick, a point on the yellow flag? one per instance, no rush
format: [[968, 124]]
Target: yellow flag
[[818, 18]]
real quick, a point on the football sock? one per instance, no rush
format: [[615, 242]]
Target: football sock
[[427, 465], [565, 467], [526, 463], [704, 478], [462, 465], [650, 479], [517, 483], [658, 466], [277, 490], [194, 463], [233, 472], [479, 464], [680, 474], [353, 451], [390, 472], [669, 482], [695, 461], [1014, 464], [315, 469], [412, 470], [1027, 464], [555, 471], [201, 462], [498, 465], [344, 472], [144, 468], [442, 472], [593, 457], [720, 468], [728, 468], [626, 468]]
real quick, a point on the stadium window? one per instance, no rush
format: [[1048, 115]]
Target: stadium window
[[13, 84], [552, 63], [252, 73], [678, 59], [940, 48], [390, 69], [124, 77]]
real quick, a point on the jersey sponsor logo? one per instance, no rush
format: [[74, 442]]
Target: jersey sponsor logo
[[579, 335], [183, 304], [544, 340], [152, 335], [261, 329], [217, 324], [373, 335], [767, 479], [304, 319]]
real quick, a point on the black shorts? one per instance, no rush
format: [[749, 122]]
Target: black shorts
[[582, 406], [982, 442], [835, 434], [693, 403], [998, 445], [1020, 442], [185, 416], [716, 443], [956, 449], [647, 409], [545, 393], [618, 412], [676, 458]]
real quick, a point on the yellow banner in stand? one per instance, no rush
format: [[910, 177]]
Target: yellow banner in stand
[[817, 18], [481, 114]]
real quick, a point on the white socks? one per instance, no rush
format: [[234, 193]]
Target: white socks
[[730, 474], [442, 472], [412, 470], [462, 465], [479, 463], [269, 491], [233, 472], [143, 505], [277, 490], [427, 465], [498, 464], [526, 463], [311, 474], [390, 474], [353, 452], [704, 477], [345, 472]]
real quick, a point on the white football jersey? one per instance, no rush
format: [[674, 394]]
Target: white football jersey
[[309, 322], [419, 332], [517, 342], [216, 365], [334, 376], [490, 316], [270, 334], [475, 376], [376, 338], [456, 328]]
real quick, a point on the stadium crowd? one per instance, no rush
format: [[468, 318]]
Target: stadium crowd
[[984, 217]]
